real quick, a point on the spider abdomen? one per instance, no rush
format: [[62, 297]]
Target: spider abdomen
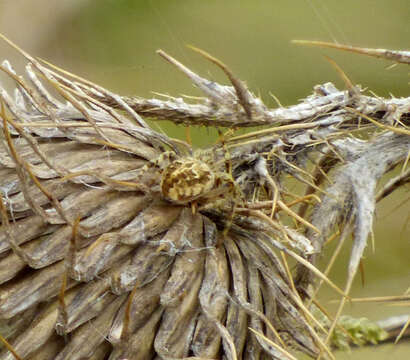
[[185, 180]]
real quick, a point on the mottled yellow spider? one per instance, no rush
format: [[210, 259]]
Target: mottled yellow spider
[[195, 180], [186, 180]]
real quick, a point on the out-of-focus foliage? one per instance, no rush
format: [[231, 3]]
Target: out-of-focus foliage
[[359, 331]]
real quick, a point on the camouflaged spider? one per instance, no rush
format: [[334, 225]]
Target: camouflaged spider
[[195, 180]]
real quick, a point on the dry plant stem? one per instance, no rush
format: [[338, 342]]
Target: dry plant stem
[[328, 98]]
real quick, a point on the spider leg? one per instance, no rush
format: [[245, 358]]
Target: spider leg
[[194, 207], [234, 203], [163, 160], [229, 179]]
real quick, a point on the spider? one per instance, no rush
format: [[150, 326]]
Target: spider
[[195, 180]]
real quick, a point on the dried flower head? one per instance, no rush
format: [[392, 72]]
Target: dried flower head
[[118, 242]]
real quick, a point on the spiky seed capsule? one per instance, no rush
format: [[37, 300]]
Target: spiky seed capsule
[[185, 180]]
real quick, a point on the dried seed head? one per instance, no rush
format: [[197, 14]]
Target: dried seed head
[[98, 254], [90, 249]]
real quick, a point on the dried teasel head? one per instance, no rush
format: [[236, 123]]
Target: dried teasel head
[[118, 242]]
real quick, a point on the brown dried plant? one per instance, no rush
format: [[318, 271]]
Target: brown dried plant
[[118, 242]]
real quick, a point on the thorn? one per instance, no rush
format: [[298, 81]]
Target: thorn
[[16, 47], [241, 90], [274, 97], [350, 87], [9, 347], [392, 55]]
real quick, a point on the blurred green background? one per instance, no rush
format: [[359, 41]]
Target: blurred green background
[[113, 43]]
